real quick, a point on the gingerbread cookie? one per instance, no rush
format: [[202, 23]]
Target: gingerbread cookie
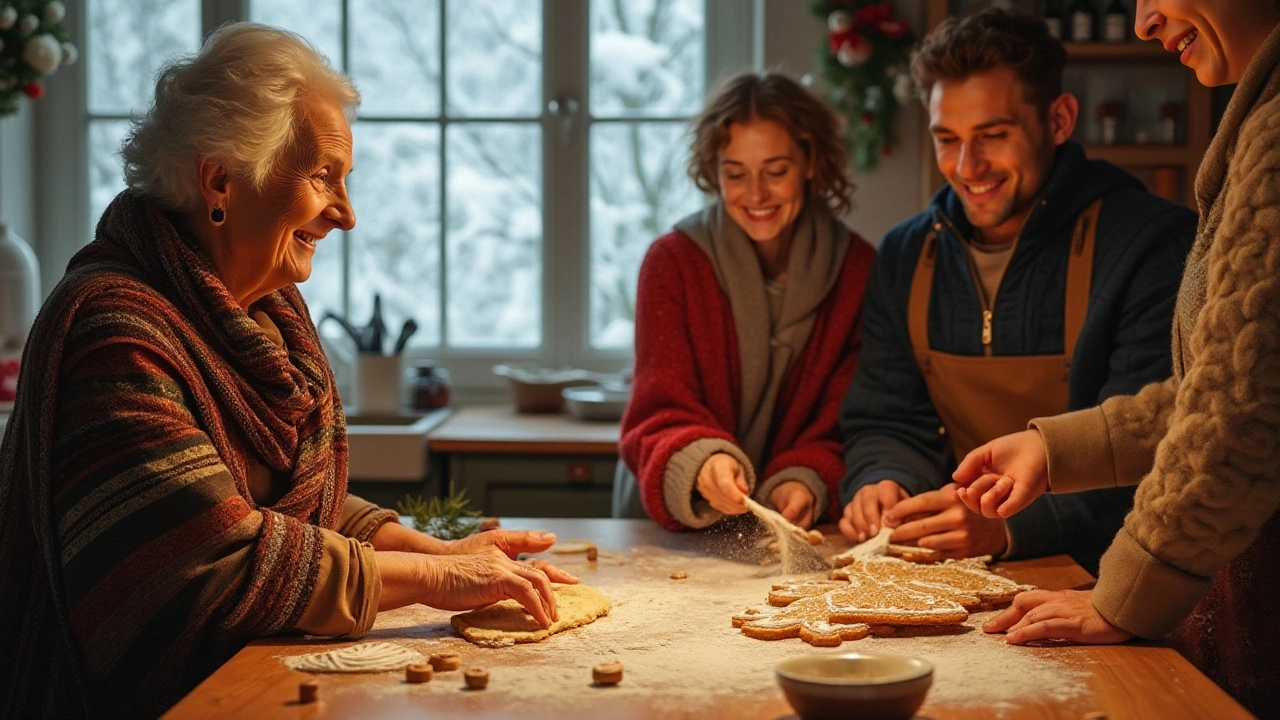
[[807, 618], [967, 582]]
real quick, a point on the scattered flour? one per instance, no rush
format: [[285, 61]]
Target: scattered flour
[[680, 652]]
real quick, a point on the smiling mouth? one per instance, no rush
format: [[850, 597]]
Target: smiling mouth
[[1187, 40], [764, 214], [306, 238], [978, 189]]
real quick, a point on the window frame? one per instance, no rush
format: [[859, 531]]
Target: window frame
[[733, 43]]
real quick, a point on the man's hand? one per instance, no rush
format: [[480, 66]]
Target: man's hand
[[1057, 615], [1005, 475], [939, 521], [723, 482], [861, 518], [794, 502]]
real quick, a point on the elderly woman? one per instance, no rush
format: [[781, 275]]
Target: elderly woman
[[747, 317], [173, 480], [1197, 558]]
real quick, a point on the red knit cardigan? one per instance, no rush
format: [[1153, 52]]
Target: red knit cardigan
[[687, 382]]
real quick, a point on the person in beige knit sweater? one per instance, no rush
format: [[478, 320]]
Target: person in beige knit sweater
[[1196, 560]]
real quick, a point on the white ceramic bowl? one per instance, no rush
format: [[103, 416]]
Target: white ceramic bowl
[[596, 402], [855, 686]]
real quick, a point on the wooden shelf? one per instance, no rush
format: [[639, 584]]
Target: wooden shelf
[[1144, 52], [1102, 57], [1143, 155]]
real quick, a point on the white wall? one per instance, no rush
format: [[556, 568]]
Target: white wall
[[17, 172], [892, 192]]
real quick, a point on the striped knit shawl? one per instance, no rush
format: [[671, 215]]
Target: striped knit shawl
[[243, 391]]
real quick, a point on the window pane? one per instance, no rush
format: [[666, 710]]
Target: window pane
[[647, 57], [128, 41], [319, 21], [495, 58], [494, 237], [638, 191], [106, 174], [395, 247], [395, 56]]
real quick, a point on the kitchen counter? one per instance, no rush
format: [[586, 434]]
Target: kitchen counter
[[665, 670]]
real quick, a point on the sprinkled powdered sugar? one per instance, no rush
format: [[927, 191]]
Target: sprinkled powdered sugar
[[680, 651]]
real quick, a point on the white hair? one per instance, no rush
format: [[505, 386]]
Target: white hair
[[237, 100]]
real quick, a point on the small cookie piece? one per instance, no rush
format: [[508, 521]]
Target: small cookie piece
[[418, 673], [308, 692], [571, 547], [911, 553], [592, 553], [609, 673], [490, 523], [476, 678], [679, 575], [445, 661], [815, 537]]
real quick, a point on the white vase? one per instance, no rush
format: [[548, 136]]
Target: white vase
[[19, 290]]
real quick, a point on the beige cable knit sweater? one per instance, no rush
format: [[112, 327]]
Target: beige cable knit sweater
[[1206, 443]]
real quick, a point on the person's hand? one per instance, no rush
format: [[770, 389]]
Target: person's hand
[[861, 518], [794, 502], [723, 482], [1055, 615], [466, 582], [939, 521], [512, 543], [1005, 475]]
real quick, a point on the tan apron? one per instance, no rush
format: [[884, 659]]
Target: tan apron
[[979, 398]]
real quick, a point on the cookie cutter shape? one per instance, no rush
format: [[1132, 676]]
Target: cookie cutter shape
[[967, 582], [808, 618]]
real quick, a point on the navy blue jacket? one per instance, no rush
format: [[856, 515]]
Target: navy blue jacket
[[890, 426]]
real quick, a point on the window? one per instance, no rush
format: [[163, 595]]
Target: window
[[513, 158]]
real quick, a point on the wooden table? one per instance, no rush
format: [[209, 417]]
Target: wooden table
[[1136, 680]]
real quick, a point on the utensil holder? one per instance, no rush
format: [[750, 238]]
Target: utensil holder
[[376, 383]]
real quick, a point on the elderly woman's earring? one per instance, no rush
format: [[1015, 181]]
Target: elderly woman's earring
[[217, 216]]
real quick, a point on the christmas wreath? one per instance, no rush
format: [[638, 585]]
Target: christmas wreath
[[33, 46], [864, 65]]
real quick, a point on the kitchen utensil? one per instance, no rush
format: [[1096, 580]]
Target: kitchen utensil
[[406, 331]]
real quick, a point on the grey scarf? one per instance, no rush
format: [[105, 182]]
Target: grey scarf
[[818, 248]]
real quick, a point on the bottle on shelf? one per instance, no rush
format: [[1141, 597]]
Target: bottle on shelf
[[1083, 19], [1110, 115], [1115, 23], [1053, 18]]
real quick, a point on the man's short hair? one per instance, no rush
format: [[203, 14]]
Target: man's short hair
[[963, 46]]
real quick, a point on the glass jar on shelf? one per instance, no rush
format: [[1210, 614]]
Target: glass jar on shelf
[[1170, 122], [428, 386], [1110, 115]]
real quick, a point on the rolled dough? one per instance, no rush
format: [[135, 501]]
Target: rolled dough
[[507, 622]]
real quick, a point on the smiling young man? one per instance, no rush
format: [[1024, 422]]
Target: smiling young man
[[1037, 280]]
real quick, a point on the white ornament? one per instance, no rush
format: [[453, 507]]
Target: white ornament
[[839, 21], [44, 53], [54, 12], [69, 53], [902, 88], [8, 17], [851, 56], [28, 24]]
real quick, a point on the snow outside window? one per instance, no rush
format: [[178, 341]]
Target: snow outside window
[[504, 227]]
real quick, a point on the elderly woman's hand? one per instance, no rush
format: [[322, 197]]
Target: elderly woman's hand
[[465, 582]]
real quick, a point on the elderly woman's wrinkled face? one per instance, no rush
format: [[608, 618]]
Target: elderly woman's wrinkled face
[[1215, 38], [762, 178], [273, 233]]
